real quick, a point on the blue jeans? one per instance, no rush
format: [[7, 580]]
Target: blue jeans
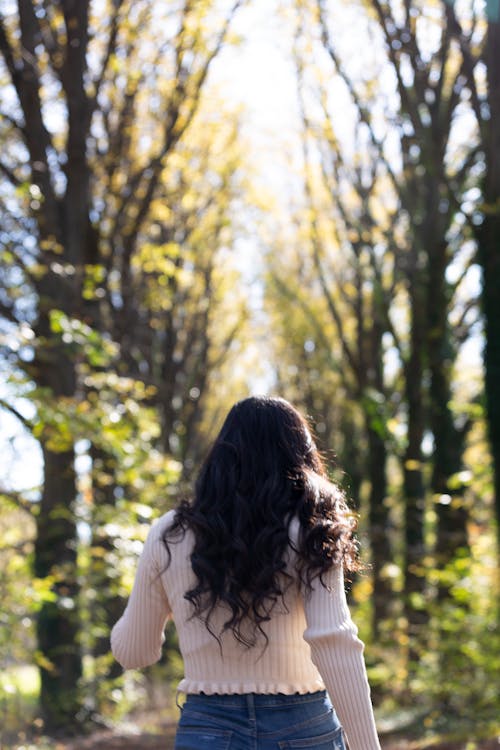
[[259, 722]]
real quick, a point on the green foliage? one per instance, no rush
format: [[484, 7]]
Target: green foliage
[[20, 597], [82, 340], [19, 688], [452, 688], [375, 406], [458, 673]]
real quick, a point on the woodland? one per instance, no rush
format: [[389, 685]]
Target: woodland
[[156, 265]]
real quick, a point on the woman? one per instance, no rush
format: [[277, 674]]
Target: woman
[[252, 573]]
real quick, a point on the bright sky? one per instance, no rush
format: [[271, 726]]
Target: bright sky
[[259, 74]]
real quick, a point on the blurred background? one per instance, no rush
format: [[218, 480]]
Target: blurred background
[[205, 199]]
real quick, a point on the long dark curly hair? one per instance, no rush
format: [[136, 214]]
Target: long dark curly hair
[[262, 471]]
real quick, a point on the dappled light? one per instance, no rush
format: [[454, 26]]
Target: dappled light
[[205, 200]]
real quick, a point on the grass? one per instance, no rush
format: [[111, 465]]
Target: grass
[[19, 687]]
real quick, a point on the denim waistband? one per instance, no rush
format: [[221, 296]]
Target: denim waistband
[[258, 700]]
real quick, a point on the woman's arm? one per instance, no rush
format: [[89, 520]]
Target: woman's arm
[[337, 652], [137, 637]]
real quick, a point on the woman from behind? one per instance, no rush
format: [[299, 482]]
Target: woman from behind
[[252, 572]]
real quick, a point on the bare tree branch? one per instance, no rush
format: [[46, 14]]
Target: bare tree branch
[[174, 126], [24, 77], [110, 49], [10, 174], [469, 63], [15, 123], [363, 112], [12, 410], [7, 312]]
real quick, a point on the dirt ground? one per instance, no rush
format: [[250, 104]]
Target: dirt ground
[[164, 741]]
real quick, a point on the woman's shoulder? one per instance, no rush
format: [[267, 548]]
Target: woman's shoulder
[[167, 523], [164, 523], [160, 544]]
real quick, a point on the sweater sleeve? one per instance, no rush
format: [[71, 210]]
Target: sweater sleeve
[[337, 653], [137, 637]]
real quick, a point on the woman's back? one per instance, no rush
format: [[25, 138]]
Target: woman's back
[[252, 573], [314, 623], [280, 664]]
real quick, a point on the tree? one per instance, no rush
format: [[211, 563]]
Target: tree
[[435, 172], [477, 50], [188, 312], [80, 178]]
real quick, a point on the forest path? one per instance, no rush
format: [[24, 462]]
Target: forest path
[[165, 741]]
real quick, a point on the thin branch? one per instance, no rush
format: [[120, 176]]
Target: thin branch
[[173, 131], [363, 112], [472, 304], [8, 54], [419, 85], [442, 57], [469, 63], [15, 124], [12, 410], [50, 40], [460, 325], [110, 49], [465, 270], [10, 174], [8, 313], [386, 306], [331, 183], [24, 77], [314, 234]]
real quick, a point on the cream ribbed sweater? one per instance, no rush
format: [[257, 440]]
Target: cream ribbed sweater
[[313, 642]]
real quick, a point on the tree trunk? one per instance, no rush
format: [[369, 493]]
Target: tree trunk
[[58, 621], [413, 484], [107, 605], [371, 375], [352, 460], [448, 440], [55, 554], [378, 516], [489, 256]]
